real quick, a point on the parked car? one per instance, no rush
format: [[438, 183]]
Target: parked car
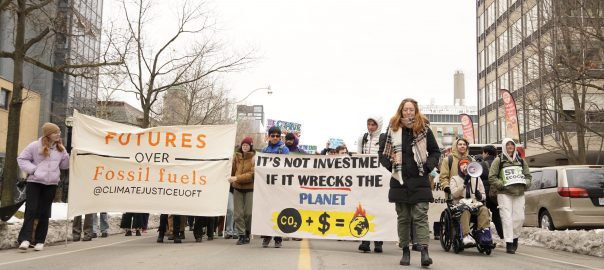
[[566, 197]]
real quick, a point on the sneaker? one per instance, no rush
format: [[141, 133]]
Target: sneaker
[[24, 245], [278, 244], [128, 233], [228, 236], [104, 235], [265, 242], [198, 239], [86, 238], [76, 238], [468, 240], [39, 247], [94, 235], [138, 233], [241, 240]]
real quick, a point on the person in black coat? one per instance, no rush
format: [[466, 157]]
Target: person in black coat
[[411, 153]]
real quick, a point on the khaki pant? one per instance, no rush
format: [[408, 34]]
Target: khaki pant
[[242, 209], [482, 219], [418, 213]]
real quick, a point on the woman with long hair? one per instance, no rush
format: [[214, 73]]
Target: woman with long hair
[[42, 160], [411, 153]]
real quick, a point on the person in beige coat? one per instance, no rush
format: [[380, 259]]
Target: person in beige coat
[[469, 190], [242, 181]]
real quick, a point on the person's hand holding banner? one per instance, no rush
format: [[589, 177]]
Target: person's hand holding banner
[[232, 179]]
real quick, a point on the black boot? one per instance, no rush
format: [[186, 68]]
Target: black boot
[[509, 248], [364, 246], [247, 237], [426, 260], [160, 237], [378, 246], [406, 259], [241, 240], [177, 239], [515, 244]]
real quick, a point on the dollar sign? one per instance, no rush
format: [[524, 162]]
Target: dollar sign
[[324, 224]]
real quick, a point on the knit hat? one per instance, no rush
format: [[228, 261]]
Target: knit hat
[[290, 136], [49, 128], [464, 161], [248, 141]]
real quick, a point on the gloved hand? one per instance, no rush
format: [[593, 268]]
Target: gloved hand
[[232, 179], [447, 190], [478, 196]]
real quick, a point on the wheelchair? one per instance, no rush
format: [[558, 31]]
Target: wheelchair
[[450, 230]]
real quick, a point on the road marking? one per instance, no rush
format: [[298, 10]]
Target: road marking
[[304, 258], [558, 261], [69, 252]]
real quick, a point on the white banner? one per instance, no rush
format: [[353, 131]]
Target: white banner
[[323, 197], [174, 170]]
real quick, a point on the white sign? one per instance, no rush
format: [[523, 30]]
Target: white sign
[[513, 175], [323, 197], [175, 170]]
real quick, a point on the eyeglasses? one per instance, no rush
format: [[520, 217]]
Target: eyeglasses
[[275, 136]]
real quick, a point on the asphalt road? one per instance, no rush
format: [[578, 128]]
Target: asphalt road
[[120, 252]]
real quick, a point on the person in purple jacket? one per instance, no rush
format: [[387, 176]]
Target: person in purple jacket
[[42, 160]]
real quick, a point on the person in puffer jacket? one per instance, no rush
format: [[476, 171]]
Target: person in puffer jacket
[[42, 160], [510, 176]]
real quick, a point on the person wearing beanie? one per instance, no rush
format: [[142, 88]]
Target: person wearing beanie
[[42, 160], [292, 141], [509, 175], [242, 181], [463, 186]]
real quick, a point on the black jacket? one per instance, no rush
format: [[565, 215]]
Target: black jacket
[[416, 188], [486, 166]]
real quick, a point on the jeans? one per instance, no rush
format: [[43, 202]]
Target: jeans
[[104, 223]]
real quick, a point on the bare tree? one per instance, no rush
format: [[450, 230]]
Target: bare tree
[[201, 102], [152, 70], [36, 24], [565, 64]]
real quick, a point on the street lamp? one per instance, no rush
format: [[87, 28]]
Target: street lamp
[[268, 88]]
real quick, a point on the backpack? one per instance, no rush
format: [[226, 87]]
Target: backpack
[[484, 237]]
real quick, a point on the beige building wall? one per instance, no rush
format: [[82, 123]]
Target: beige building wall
[[30, 114]]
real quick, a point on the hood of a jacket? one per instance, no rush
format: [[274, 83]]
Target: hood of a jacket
[[456, 153], [504, 142], [380, 122]]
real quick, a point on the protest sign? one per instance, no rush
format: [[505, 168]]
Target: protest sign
[[323, 197], [176, 170]]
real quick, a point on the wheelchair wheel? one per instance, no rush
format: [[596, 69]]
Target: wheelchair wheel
[[445, 231], [487, 251]]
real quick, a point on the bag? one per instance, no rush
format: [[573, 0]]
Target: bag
[[484, 237]]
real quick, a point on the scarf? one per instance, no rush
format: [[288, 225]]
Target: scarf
[[394, 146]]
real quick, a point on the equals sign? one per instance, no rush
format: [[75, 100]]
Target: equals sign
[[339, 222]]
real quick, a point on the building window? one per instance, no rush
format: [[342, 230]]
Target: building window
[[502, 6], [517, 77], [490, 15], [516, 33], [482, 132], [481, 99], [504, 82], [531, 19], [502, 44], [4, 99], [492, 132], [491, 54], [481, 24]]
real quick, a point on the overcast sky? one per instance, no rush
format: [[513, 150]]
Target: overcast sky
[[331, 64]]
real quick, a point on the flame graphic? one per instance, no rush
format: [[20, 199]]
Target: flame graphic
[[360, 212]]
